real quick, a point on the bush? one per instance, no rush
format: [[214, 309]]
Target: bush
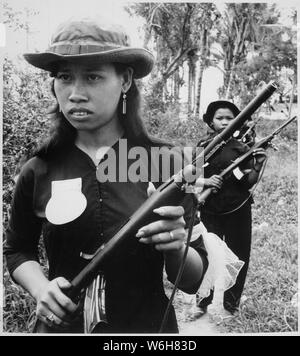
[[266, 127], [26, 96], [172, 126]]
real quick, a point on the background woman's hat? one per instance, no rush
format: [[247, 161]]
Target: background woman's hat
[[89, 40], [215, 105]]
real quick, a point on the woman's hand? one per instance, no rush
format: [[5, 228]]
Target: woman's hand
[[259, 158], [214, 181], [166, 234], [53, 307], [253, 174]]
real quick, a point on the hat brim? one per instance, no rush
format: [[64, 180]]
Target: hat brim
[[219, 104], [139, 59]]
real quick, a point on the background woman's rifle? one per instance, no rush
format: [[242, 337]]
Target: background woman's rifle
[[247, 136], [263, 143]]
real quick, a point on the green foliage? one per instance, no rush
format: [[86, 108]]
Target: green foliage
[[15, 18], [26, 97], [175, 31], [171, 126], [288, 135], [18, 311], [267, 64]]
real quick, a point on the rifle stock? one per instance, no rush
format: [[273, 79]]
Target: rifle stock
[[169, 193]]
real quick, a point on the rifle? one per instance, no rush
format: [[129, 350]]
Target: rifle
[[94, 312], [222, 138], [263, 143], [169, 193], [250, 129]]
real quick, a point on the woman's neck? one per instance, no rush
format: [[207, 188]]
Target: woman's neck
[[91, 141]]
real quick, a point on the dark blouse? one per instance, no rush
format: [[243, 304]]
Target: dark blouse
[[234, 191], [135, 298]]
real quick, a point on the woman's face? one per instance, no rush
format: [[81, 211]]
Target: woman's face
[[88, 95], [221, 119]]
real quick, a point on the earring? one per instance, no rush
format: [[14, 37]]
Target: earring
[[59, 109], [124, 103]]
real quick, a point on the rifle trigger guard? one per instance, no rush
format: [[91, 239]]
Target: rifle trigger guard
[[88, 257]]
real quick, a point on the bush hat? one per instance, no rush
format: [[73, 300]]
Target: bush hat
[[219, 104], [88, 39]]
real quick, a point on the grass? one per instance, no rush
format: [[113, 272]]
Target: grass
[[19, 308], [272, 279]]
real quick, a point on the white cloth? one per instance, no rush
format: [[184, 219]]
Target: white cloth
[[223, 268]]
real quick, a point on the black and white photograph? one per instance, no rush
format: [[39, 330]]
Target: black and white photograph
[[149, 169]]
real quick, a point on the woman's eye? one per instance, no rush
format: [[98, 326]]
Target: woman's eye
[[64, 77], [94, 77]]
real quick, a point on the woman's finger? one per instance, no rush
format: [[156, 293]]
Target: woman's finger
[[54, 321], [47, 312], [49, 302], [160, 226], [217, 178], [172, 246], [170, 211], [151, 189], [259, 152], [216, 185], [218, 181], [165, 237], [65, 302]]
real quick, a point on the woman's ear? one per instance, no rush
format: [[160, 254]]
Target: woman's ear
[[211, 126], [127, 79], [52, 88]]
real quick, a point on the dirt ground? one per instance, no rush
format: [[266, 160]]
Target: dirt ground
[[188, 318]]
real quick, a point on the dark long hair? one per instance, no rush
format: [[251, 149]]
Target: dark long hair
[[63, 134]]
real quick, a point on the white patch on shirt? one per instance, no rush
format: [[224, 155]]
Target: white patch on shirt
[[238, 173], [67, 201]]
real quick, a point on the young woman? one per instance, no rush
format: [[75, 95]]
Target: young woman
[[228, 212], [60, 192]]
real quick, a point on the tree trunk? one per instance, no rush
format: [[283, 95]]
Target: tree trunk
[[199, 86], [204, 51], [176, 86], [191, 85], [237, 52], [229, 85]]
